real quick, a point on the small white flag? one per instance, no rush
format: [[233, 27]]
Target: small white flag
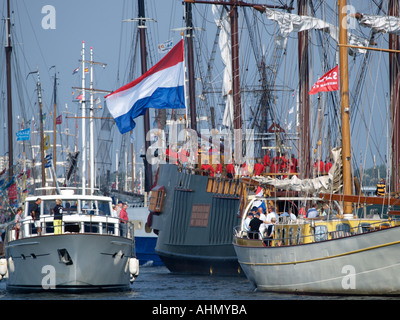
[[165, 46]]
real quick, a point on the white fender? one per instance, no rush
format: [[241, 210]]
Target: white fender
[[134, 267], [3, 267], [11, 266]]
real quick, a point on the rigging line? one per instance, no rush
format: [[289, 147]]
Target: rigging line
[[120, 40], [361, 76], [375, 142], [37, 41]]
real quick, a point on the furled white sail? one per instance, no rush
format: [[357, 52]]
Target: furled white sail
[[289, 22], [330, 183], [380, 24], [222, 21]]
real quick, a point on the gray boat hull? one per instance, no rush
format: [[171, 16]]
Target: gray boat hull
[[69, 262], [187, 248], [363, 264]]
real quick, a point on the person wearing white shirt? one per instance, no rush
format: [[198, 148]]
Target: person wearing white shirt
[[271, 214], [263, 218], [247, 221]]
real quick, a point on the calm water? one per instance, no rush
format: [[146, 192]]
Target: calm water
[[157, 283]]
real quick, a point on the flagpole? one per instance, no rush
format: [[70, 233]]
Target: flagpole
[[185, 85], [55, 122]]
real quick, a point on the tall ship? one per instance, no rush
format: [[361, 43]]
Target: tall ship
[[350, 247], [194, 210]]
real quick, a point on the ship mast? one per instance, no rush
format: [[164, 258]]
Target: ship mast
[[143, 59], [235, 66], [55, 125], [39, 90], [394, 44], [304, 85], [8, 48], [345, 111], [84, 155], [190, 64]]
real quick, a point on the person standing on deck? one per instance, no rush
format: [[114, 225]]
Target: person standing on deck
[[230, 171], [123, 219], [17, 222], [259, 168], [58, 213], [35, 214]]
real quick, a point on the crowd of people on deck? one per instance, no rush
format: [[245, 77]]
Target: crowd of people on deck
[[262, 217], [280, 165]]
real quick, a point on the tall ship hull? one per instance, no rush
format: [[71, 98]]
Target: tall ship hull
[[195, 221]]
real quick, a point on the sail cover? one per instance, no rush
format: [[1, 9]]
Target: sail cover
[[330, 183], [221, 18], [289, 22], [380, 24]]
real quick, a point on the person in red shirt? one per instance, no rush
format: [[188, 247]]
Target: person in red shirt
[[292, 166], [276, 160], [208, 169], [295, 163], [123, 219], [319, 166], [275, 166], [328, 165], [167, 154], [183, 156], [259, 168], [267, 159], [230, 170], [283, 163]]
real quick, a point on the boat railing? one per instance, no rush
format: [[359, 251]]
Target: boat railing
[[71, 224], [292, 236]]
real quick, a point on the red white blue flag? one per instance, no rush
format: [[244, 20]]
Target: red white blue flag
[[161, 87]]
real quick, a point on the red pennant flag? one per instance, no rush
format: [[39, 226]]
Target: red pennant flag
[[59, 119], [329, 82]]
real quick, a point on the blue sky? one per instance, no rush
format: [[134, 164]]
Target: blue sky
[[99, 24]]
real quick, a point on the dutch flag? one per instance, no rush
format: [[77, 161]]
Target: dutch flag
[[161, 87]]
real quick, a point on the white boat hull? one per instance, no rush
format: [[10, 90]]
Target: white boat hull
[[362, 264], [94, 262]]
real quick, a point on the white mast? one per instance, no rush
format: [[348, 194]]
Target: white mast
[[83, 123], [91, 124]]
